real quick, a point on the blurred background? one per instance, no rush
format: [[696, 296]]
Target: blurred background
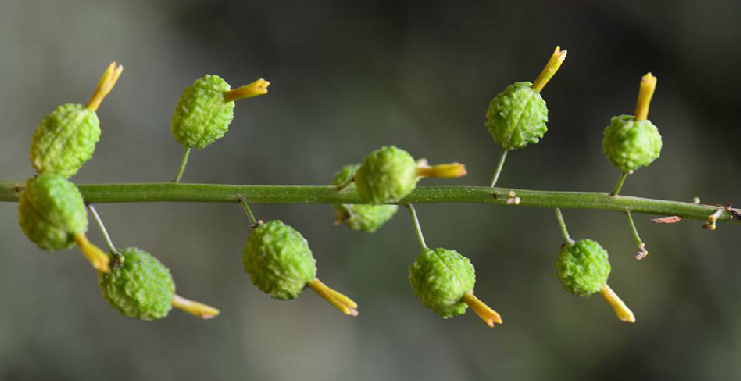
[[347, 78]]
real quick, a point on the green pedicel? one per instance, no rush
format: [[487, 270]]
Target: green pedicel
[[360, 216]]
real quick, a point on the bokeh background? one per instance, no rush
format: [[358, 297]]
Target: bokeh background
[[348, 77]]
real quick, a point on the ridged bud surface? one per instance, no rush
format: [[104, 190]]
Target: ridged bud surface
[[517, 116], [65, 140], [141, 287], [440, 278], [360, 216], [51, 210], [279, 260], [387, 175], [631, 144], [583, 268], [202, 115]]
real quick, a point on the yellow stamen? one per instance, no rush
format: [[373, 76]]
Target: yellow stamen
[[441, 170], [105, 85], [194, 308], [486, 314], [621, 310], [550, 69], [648, 86], [254, 89], [97, 257], [340, 301]]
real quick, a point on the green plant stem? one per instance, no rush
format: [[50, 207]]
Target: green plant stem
[[621, 181], [500, 165], [328, 194], [417, 227], [183, 163], [562, 225]]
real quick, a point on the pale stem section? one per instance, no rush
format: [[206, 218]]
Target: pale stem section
[[642, 252], [648, 86], [183, 164], [417, 227], [94, 254], [194, 308], [498, 169], [340, 301], [621, 310], [550, 69], [621, 181], [562, 225], [446, 171], [254, 89], [103, 230], [486, 314], [105, 85]]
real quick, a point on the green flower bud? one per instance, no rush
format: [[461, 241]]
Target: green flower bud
[[516, 117], [360, 216], [631, 144], [51, 211], [386, 175], [140, 287], [441, 278], [279, 260], [65, 140], [583, 267], [203, 115]]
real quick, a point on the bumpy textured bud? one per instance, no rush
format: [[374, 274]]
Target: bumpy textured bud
[[441, 278], [51, 211], [631, 144], [203, 115], [583, 267], [387, 175], [360, 216], [141, 287], [65, 140], [517, 116], [279, 260]]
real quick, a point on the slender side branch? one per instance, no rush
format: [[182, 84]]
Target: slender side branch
[[500, 165], [327, 194], [566, 237], [621, 181], [183, 163]]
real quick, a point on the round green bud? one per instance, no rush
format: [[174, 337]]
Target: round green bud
[[631, 144], [65, 140], [51, 211], [387, 175], [279, 260], [440, 278], [516, 117], [202, 115], [360, 216], [141, 287], [583, 267]]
